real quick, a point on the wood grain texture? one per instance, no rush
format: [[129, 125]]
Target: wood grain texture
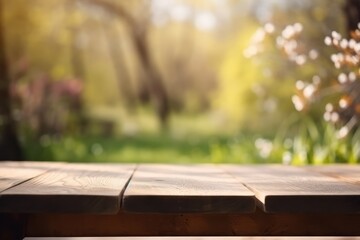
[[346, 173], [72, 188], [31, 164], [291, 189], [14, 173], [186, 188]]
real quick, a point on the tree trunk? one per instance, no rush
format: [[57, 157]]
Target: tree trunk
[[79, 72], [352, 14], [155, 81], [76, 55], [9, 144], [121, 70]]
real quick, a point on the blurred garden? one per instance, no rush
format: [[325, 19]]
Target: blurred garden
[[180, 81]]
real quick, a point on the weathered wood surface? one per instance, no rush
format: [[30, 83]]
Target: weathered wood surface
[[14, 173], [346, 173], [291, 189], [52, 187], [31, 164], [83, 200], [184, 189], [71, 188]]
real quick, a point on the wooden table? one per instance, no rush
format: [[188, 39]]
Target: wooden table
[[62, 199]]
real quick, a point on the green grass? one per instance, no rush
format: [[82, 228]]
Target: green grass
[[303, 141], [145, 148], [138, 139], [198, 139]]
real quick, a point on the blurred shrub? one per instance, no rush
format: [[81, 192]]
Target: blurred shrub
[[308, 139], [47, 106], [303, 141]]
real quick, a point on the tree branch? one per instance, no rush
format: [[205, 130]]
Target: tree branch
[[112, 8]]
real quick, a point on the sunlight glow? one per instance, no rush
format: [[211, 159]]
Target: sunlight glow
[[205, 21]]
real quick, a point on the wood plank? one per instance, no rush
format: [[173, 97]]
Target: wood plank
[[194, 224], [31, 164], [72, 188], [291, 189], [346, 173], [186, 188], [14, 173]]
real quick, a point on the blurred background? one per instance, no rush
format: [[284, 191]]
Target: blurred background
[[241, 81]]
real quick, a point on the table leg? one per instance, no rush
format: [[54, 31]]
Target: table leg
[[12, 226]]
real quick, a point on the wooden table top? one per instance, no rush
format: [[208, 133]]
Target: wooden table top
[[41, 187]]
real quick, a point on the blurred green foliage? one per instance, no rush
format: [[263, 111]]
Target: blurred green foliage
[[303, 148], [224, 107], [145, 149], [302, 141]]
